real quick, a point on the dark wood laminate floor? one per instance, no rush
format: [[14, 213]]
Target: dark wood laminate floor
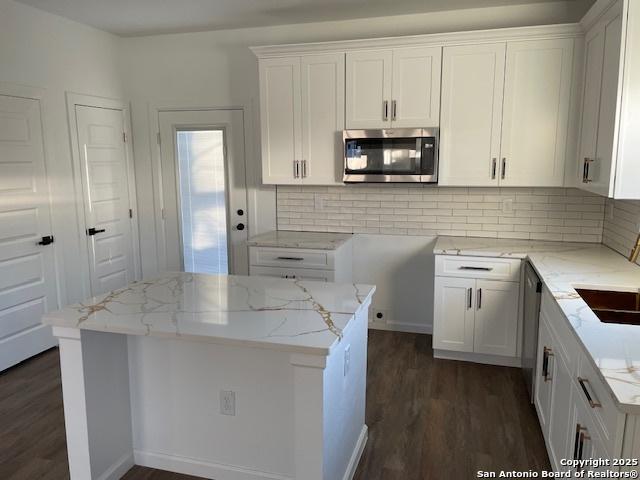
[[428, 418]]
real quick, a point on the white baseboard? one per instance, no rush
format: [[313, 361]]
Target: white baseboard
[[357, 454], [201, 468], [478, 358], [392, 326], [119, 468]]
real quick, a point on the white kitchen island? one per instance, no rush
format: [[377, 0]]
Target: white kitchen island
[[225, 377]]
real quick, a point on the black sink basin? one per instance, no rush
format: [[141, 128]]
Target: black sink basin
[[613, 307]]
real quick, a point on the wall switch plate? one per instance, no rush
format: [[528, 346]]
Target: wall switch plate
[[227, 402], [347, 359], [507, 205]]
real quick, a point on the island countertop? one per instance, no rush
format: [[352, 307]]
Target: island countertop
[[296, 316], [614, 349]]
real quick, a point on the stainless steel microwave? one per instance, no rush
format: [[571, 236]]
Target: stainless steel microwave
[[391, 155]]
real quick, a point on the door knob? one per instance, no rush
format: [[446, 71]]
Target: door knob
[[240, 226], [240, 212], [48, 240], [93, 231]]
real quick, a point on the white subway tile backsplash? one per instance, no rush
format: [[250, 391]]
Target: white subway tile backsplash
[[534, 213], [621, 229]]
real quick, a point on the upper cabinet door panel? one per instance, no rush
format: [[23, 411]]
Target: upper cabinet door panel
[[471, 112], [536, 112], [322, 79], [368, 92], [280, 114], [601, 172], [416, 87]]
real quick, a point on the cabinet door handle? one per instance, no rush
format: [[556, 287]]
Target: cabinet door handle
[[479, 298], [295, 169], [494, 166], [504, 168], [546, 353], [385, 110], [394, 110], [293, 259], [585, 170], [583, 382], [481, 269], [304, 169], [469, 295]]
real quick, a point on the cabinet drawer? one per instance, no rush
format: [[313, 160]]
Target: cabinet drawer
[[506, 269], [291, 258], [293, 273], [607, 419]]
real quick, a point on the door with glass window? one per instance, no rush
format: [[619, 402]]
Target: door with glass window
[[203, 194]]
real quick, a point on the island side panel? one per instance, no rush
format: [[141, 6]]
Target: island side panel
[[177, 419], [95, 386], [330, 396]]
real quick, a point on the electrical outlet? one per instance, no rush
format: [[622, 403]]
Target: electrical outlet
[[347, 359], [507, 205], [227, 402]]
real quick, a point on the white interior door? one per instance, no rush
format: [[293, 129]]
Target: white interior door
[[204, 197], [105, 187], [27, 269], [535, 119], [471, 114]]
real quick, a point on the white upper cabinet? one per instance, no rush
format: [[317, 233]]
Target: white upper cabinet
[[535, 119], [393, 88], [472, 88], [369, 89], [322, 78], [302, 118], [609, 142], [415, 92], [280, 117], [505, 113]]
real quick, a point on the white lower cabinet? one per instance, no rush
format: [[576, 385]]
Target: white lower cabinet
[[478, 312], [577, 415]]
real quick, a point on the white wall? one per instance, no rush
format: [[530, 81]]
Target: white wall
[[46, 51], [216, 69]]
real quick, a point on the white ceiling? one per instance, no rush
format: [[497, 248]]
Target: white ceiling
[[146, 17]]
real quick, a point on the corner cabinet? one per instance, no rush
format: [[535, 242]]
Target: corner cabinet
[[302, 118], [393, 88], [476, 309], [505, 113], [609, 143]]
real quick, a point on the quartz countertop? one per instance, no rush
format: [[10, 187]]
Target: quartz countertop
[[311, 240], [614, 349], [297, 316]]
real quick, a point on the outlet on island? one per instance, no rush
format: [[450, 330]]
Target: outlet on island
[[227, 402]]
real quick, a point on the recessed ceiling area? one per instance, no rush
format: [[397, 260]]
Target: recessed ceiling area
[[148, 17]]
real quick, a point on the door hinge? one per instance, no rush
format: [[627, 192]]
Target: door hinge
[[124, 137], [130, 213]]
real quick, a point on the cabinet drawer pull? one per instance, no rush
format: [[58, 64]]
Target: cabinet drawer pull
[[546, 353], [479, 269], [295, 259], [583, 382]]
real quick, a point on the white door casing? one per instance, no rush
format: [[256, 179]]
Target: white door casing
[[231, 121], [471, 114], [104, 171], [28, 280]]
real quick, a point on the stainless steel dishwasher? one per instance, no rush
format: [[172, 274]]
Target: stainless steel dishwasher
[[532, 294]]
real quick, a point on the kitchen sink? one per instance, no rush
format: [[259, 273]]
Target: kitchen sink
[[613, 307]]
